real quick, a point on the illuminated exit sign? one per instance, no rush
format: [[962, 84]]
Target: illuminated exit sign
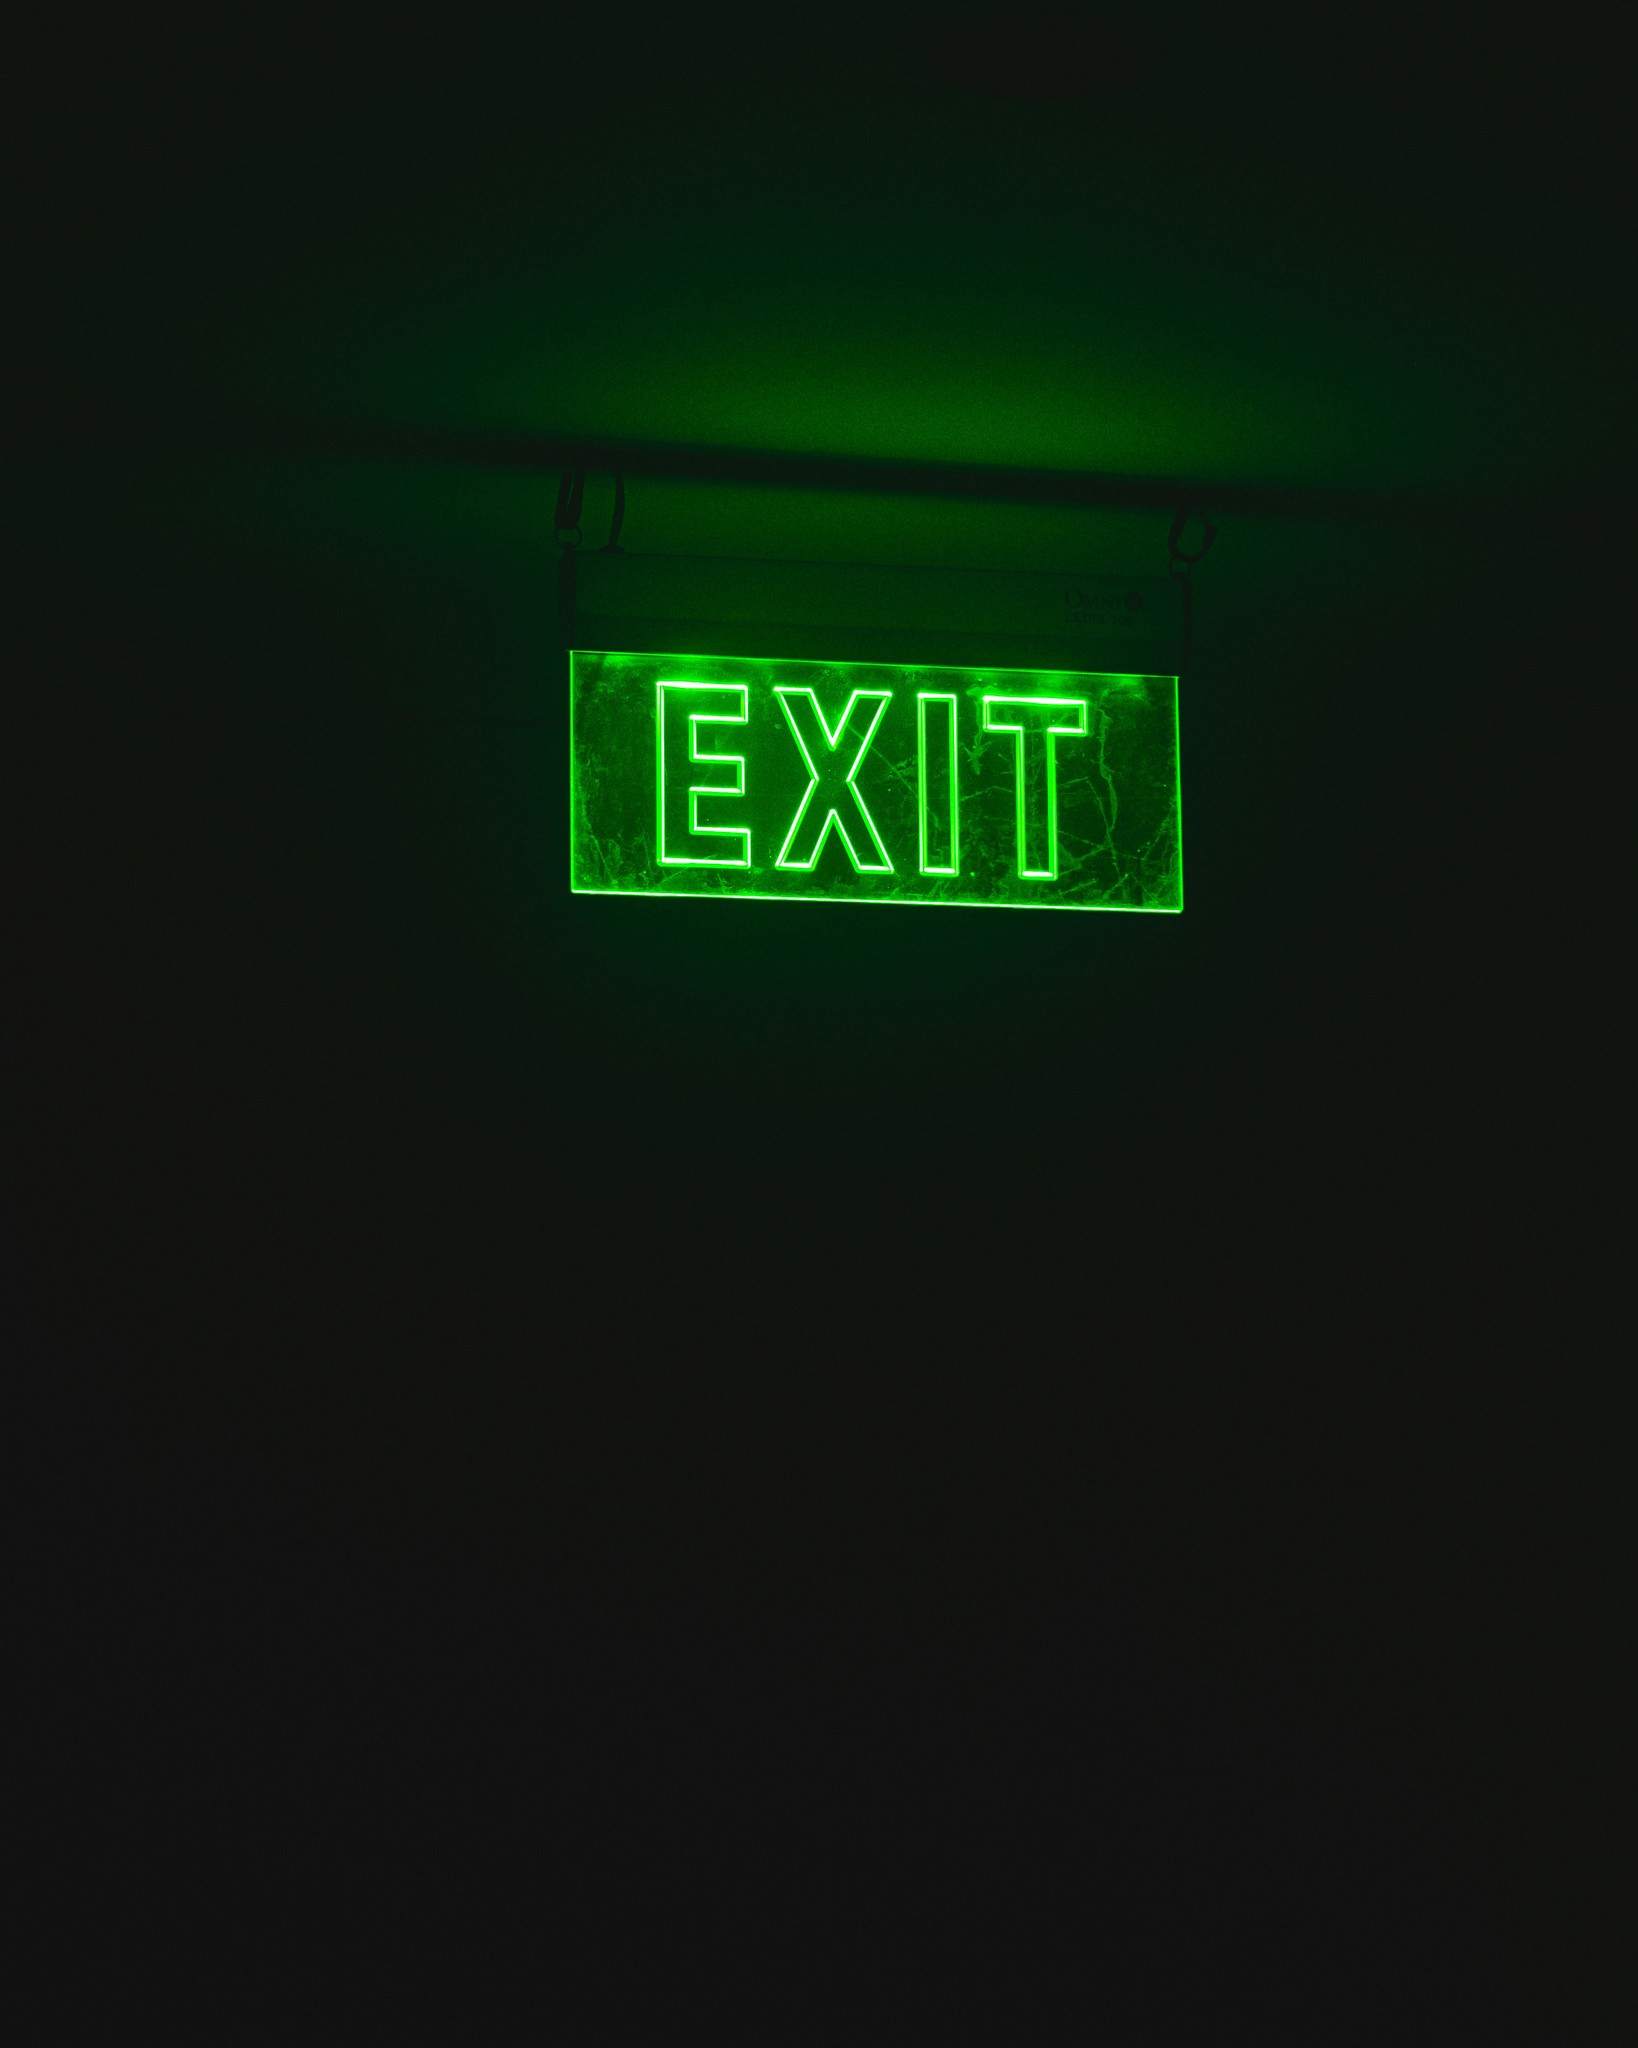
[[874, 782]]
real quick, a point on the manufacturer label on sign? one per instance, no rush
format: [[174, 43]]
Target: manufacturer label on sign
[[848, 781]]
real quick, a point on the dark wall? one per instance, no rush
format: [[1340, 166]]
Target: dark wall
[[1079, 1450]]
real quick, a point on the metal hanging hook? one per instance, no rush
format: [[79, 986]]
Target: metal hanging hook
[[617, 518], [566, 531], [570, 491], [1181, 558], [1181, 567]]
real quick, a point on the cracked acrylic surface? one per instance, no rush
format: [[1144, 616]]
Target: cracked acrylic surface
[[849, 781]]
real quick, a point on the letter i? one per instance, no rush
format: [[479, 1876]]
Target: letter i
[[938, 785]]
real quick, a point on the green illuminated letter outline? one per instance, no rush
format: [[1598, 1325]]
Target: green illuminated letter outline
[[812, 824], [671, 708], [945, 819], [1043, 720]]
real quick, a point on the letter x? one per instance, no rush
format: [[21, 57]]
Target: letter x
[[833, 763]]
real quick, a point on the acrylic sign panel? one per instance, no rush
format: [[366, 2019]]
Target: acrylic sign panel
[[720, 775]]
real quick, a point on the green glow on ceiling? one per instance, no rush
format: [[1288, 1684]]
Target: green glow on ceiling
[[871, 782]]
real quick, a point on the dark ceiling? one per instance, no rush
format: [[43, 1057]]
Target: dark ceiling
[[1272, 243]]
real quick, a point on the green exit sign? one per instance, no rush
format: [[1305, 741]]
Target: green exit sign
[[873, 782]]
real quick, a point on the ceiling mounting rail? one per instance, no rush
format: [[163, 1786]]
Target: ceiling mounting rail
[[888, 476]]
